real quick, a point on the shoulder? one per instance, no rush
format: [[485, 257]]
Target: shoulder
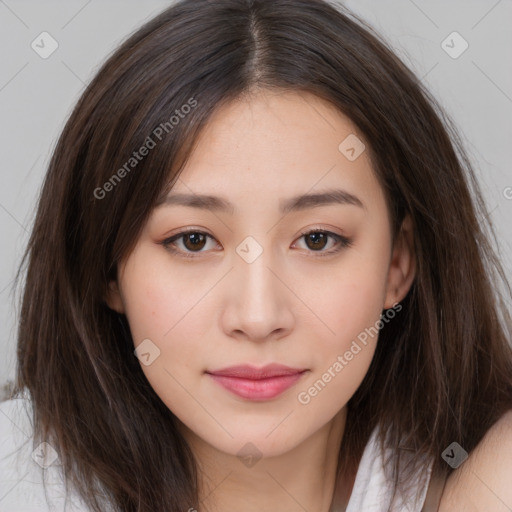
[[25, 467], [483, 481]]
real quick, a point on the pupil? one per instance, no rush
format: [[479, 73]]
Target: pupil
[[194, 238], [316, 237]]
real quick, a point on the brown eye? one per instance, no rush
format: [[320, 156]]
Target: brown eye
[[194, 241], [191, 243], [187, 243], [317, 240]]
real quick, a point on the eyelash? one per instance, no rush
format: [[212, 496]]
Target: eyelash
[[343, 242]]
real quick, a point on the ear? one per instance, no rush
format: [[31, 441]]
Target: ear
[[113, 297], [402, 269]]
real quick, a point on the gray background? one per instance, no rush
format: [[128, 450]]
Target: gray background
[[36, 96]]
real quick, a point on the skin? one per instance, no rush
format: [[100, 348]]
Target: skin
[[482, 482], [291, 305]]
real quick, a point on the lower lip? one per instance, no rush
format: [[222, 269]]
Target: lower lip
[[263, 389]]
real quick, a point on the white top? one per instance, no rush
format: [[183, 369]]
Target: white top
[[373, 487], [22, 469]]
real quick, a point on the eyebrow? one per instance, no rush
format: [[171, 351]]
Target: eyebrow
[[297, 203]]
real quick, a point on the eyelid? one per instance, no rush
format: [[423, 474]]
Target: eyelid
[[343, 242], [185, 254]]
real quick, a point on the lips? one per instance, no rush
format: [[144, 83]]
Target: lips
[[257, 383]]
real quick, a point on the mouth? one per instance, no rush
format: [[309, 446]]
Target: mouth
[[257, 384]]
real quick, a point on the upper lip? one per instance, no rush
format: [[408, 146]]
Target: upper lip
[[254, 373]]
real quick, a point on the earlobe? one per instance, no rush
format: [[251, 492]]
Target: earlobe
[[402, 269], [113, 297]]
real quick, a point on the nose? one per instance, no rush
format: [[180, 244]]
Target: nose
[[258, 303]]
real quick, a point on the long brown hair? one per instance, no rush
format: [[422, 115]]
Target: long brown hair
[[442, 370]]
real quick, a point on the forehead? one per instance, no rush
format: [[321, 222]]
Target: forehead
[[283, 143]]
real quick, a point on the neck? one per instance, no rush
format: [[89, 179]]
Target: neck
[[303, 478]]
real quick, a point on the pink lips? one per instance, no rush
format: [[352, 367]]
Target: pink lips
[[257, 383]]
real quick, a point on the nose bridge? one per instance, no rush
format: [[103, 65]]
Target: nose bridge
[[259, 304], [257, 283]]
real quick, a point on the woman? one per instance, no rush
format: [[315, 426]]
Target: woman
[[249, 286]]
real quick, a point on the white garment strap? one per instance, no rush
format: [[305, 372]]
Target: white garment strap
[[372, 491]]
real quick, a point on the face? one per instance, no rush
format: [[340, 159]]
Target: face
[[275, 271]]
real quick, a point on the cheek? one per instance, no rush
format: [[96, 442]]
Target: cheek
[[342, 359], [157, 297], [162, 308], [351, 295], [351, 305]]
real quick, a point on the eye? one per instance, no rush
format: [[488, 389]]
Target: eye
[[317, 240], [191, 241]]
